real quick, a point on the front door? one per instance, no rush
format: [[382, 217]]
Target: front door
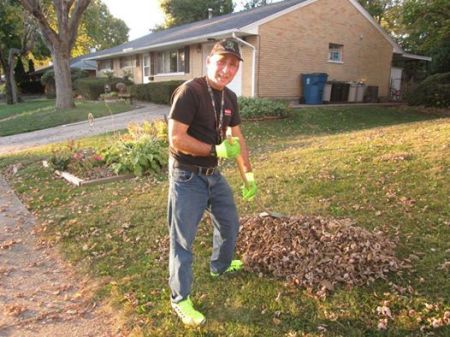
[[145, 68]]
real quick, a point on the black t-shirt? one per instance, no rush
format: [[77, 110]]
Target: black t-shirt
[[192, 106]]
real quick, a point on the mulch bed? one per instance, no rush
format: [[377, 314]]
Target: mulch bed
[[316, 252], [95, 173]]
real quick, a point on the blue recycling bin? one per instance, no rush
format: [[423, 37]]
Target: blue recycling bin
[[313, 85]]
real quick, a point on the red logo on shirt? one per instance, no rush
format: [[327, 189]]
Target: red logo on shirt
[[227, 112]]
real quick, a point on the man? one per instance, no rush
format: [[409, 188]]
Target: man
[[203, 110]]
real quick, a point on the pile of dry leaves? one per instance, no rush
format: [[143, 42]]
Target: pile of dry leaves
[[315, 252]]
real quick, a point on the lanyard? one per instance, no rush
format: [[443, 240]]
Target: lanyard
[[219, 120]]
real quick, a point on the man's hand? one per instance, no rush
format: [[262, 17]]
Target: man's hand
[[229, 148], [249, 188]]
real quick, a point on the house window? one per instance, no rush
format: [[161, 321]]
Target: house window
[[125, 62], [105, 65], [170, 61], [335, 52]]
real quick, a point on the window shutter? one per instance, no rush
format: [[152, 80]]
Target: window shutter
[[138, 61], [186, 59], [152, 63]]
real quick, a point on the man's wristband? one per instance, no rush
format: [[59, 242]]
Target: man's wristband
[[212, 151]]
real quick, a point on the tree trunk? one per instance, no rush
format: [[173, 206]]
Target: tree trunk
[[63, 81], [12, 81], [8, 91], [59, 40]]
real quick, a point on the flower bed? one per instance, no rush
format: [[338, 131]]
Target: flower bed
[[142, 151]]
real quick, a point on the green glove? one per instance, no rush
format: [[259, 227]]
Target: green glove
[[229, 148], [249, 189]]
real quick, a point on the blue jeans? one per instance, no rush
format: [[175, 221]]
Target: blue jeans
[[190, 195]]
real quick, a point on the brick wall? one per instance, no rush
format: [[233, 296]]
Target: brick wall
[[298, 42]]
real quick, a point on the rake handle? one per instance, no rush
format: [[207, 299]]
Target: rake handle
[[239, 159]]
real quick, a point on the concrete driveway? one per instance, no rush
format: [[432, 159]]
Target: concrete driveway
[[146, 111]]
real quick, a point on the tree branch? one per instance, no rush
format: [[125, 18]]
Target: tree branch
[[77, 13], [49, 34]]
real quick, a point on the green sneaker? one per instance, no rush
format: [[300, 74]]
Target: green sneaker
[[235, 266], [189, 316]]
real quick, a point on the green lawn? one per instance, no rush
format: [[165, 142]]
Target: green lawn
[[386, 168], [41, 114]]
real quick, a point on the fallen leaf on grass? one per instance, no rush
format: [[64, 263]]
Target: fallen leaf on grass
[[384, 311], [401, 156], [322, 328], [8, 244], [382, 324], [276, 321], [447, 317], [14, 309], [445, 266]]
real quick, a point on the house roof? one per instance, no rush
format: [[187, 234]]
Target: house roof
[[83, 62], [200, 31], [241, 23]]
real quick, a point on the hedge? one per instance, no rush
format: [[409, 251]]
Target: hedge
[[156, 92], [434, 91], [75, 73], [91, 88], [260, 108]]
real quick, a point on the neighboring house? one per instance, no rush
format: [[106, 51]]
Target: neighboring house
[[83, 62], [279, 42]]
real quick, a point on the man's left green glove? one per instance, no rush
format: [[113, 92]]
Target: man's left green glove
[[249, 188]]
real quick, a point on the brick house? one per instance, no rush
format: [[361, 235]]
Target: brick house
[[278, 43]]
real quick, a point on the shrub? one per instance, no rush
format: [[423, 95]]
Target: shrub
[[76, 73], [86, 162], [48, 80], [156, 92], [60, 160], [92, 88], [61, 157], [262, 107], [434, 91], [31, 87], [156, 129], [141, 156], [143, 150]]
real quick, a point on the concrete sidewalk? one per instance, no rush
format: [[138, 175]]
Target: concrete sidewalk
[[40, 294], [147, 111]]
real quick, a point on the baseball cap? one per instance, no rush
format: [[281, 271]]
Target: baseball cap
[[227, 46]]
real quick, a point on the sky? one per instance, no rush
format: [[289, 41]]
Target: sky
[[139, 15], [142, 15]]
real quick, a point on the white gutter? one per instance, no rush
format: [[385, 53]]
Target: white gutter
[[253, 61], [416, 57]]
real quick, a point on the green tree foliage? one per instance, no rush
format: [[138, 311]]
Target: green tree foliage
[[178, 12], [102, 28], [433, 91], [16, 34], [19, 72], [11, 25], [427, 30], [376, 8], [249, 4]]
